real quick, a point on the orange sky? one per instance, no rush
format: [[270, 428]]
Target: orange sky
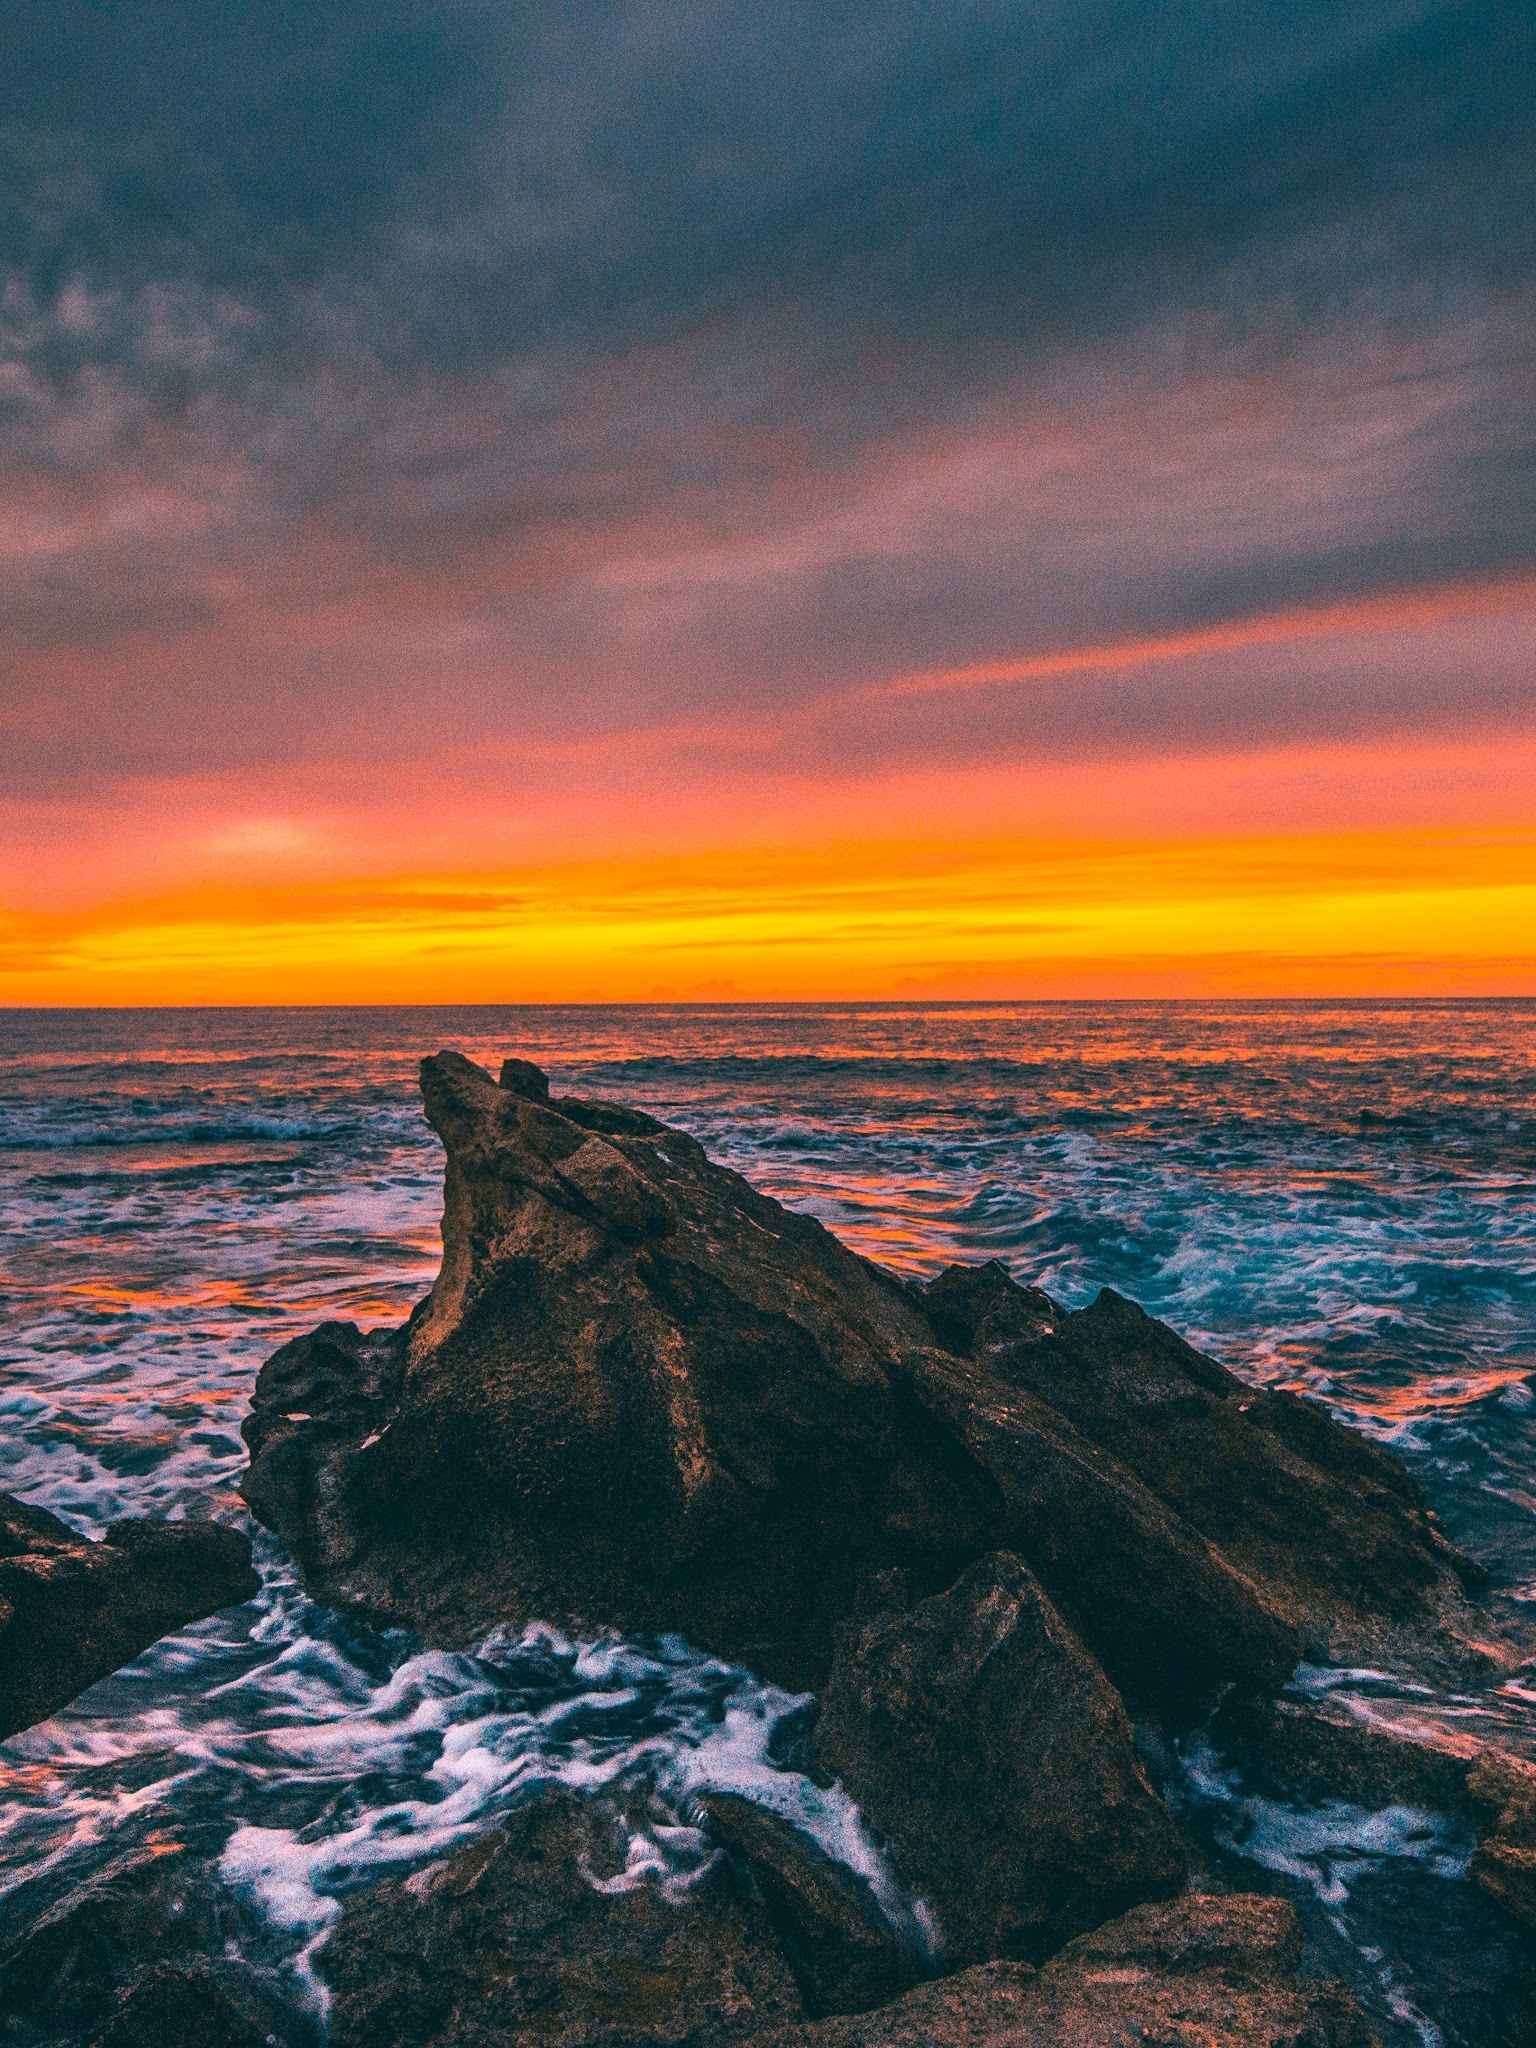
[[803, 502], [1076, 880]]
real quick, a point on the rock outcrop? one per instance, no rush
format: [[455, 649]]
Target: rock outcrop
[[539, 1931], [1195, 1973], [642, 1394], [986, 1744], [72, 1611], [845, 1954], [139, 1956]]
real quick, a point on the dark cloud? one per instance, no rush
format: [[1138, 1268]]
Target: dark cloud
[[629, 344]]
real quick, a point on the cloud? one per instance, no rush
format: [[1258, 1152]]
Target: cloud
[[377, 382]]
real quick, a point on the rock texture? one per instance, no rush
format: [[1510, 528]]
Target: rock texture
[[844, 1952], [643, 1394], [986, 1744], [1503, 1794], [71, 1611], [1195, 1973], [1317, 1750], [137, 1954], [537, 1932]]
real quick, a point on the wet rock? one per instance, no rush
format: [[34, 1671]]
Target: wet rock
[[1194, 1973], [844, 1952], [541, 1931], [642, 1395], [980, 1737], [138, 1952], [319, 1400], [72, 1611], [1502, 1790], [1329, 1525], [1317, 1750]]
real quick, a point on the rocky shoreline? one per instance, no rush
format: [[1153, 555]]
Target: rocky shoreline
[[1014, 1550]]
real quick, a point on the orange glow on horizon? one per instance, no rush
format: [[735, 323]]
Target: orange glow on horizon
[[1445, 912]]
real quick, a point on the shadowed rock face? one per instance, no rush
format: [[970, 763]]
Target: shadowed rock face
[[72, 1611], [138, 1956], [641, 1394], [844, 1953], [1194, 1973], [983, 1740], [535, 1933]]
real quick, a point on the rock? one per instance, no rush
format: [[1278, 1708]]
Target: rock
[[538, 1931], [187, 2007], [1503, 1794], [845, 1955], [1171, 1619], [643, 1395], [319, 1401], [980, 1737], [975, 1310], [138, 1952], [1317, 1750], [640, 1394], [1194, 1973], [1326, 1523], [72, 1611]]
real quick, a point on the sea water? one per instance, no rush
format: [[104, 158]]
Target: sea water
[[1337, 1198]]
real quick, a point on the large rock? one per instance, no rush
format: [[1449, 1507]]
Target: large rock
[[641, 1394], [541, 1931], [983, 1740], [1502, 1790], [142, 1951], [72, 1611], [1327, 1523], [1195, 1973], [844, 1952]]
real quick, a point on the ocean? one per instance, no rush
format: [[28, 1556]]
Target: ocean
[[1338, 1198]]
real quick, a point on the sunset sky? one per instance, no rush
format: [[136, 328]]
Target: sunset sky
[[555, 502]]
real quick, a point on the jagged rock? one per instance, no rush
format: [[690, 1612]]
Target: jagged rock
[[983, 1740], [845, 1954], [1171, 1619], [72, 1611], [1327, 1523], [641, 1394], [975, 1310], [136, 1953], [513, 1939], [1194, 1973], [1503, 1794]]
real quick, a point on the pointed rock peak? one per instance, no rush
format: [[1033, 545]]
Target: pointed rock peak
[[975, 1308], [522, 1077]]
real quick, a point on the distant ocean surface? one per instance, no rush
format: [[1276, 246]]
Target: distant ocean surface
[[1334, 1197]]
